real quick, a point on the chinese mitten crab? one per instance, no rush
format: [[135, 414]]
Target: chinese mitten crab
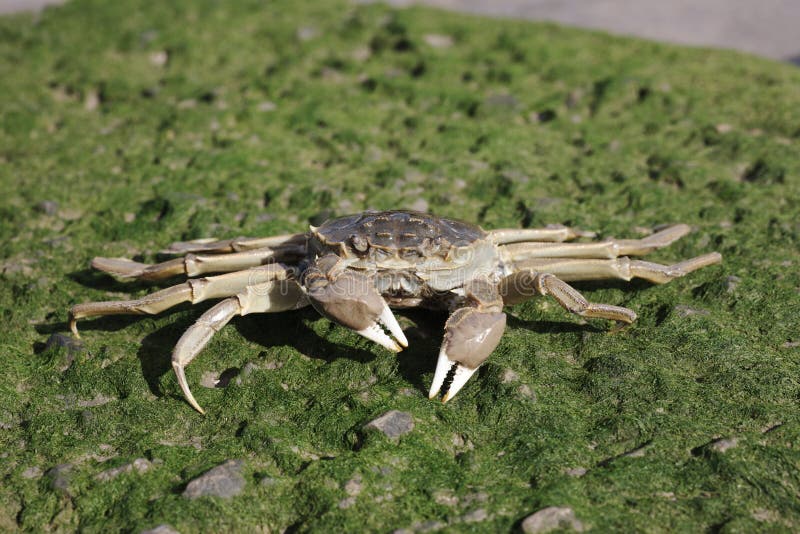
[[354, 269]]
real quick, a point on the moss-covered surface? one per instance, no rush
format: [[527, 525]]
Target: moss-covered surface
[[128, 125]]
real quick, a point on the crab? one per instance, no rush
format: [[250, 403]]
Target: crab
[[354, 269]]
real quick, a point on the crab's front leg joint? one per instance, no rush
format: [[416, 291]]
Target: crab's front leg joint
[[350, 299], [471, 335]]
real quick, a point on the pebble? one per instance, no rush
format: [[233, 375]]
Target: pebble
[[437, 40], [475, 516], [722, 445], [161, 529], [731, 283], [576, 471], [48, 207], [32, 472], [686, 311], [551, 518], [72, 347], [59, 477], [224, 481], [393, 423], [140, 465]]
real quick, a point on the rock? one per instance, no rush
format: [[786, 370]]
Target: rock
[[48, 207], [445, 498], [71, 346], [722, 445], [731, 283], [437, 40], [393, 423], [32, 472], [576, 471], [224, 481], [509, 376], [98, 400], [353, 486], [686, 311], [551, 518], [475, 516], [140, 465], [59, 477], [501, 101], [159, 58], [161, 529]]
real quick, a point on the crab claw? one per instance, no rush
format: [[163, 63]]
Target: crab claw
[[470, 337], [350, 299]]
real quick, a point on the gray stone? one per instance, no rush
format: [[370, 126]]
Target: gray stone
[[98, 400], [72, 347], [501, 101], [731, 283], [48, 207], [59, 477], [722, 445], [393, 423], [161, 529], [224, 481], [475, 516], [140, 465], [437, 40], [32, 472], [687, 311], [576, 471], [551, 518]]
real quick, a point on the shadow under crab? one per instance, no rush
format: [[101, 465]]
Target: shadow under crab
[[354, 269]]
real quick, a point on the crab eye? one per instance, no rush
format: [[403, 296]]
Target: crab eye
[[359, 242]]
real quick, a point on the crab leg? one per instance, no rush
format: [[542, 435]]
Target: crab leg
[[193, 291], [611, 248], [552, 233], [523, 285], [618, 268], [271, 296], [472, 332], [194, 264], [237, 244]]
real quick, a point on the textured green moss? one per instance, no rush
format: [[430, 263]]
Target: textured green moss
[[147, 123]]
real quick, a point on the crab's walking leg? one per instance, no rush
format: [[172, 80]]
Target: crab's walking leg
[[193, 291], [269, 296], [238, 244], [619, 268], [471, 334], [194, 264], [554, 233], [611, 248], [523, 285]]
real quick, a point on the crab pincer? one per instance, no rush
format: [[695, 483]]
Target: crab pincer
[[470, 336], [350, 299]]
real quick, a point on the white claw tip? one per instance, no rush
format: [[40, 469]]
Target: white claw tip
[[376, 334], [185, 387]]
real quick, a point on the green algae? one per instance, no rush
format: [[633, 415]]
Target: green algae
[[145, 123]]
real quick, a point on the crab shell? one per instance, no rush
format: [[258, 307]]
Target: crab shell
[[410, 255]]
